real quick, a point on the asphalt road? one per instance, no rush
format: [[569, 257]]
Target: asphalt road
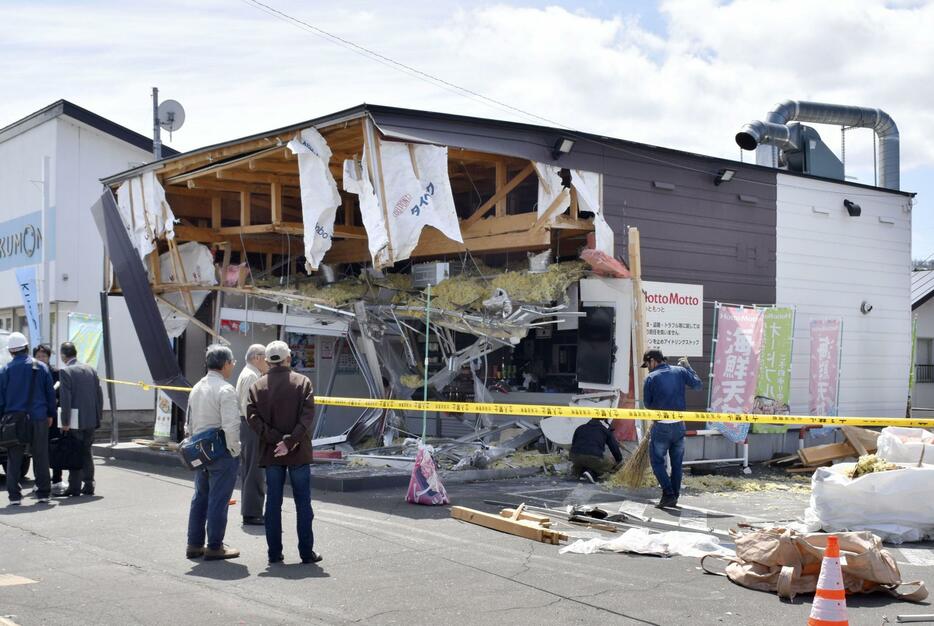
[[118, 558]]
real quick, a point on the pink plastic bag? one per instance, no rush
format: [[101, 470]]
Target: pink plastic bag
[[425, 485]]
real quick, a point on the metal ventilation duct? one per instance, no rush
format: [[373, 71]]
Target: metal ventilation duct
[[774, 131]]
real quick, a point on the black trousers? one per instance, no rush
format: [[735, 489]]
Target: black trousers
[[86, 473], [39, 449]]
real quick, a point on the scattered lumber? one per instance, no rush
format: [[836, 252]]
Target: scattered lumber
[[816, 456], [542, 520], [512, 525], [863, 440]]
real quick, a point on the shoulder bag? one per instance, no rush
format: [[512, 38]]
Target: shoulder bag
[[14, 426]]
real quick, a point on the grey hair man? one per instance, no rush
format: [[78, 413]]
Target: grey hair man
[[252, 477], [82, 404], [213, 404]]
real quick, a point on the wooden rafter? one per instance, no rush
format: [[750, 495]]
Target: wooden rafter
[[501, 193], [214, 169]]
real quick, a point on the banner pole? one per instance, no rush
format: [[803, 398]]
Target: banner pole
[[427, 340]]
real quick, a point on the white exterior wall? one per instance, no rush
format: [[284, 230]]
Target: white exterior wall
[[80, 156], [922, 395], [827, 264]]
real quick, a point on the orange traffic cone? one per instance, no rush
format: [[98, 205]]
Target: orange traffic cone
[[829, 608]]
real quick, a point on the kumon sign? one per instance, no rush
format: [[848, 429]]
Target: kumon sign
[[674, 318], [21, 241]]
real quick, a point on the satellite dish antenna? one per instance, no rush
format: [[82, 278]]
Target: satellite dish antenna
[[171, 115]]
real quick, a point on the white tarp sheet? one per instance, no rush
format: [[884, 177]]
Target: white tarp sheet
[[897, 505], [146, 214], [588, 186], [417, 194], [320, 197], [644, 541], [198, 264], [549, 188], [906, 445]]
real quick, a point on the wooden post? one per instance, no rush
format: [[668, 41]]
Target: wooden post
[[244, 208], [275, 202], [638, 318], [216, 213], [349, 217], [500, 183]]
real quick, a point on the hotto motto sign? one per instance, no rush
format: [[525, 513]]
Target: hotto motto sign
[[674, 318]]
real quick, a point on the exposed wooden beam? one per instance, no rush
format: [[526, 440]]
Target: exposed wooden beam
[[216, 213], [500, 194], [275, 202], [181, 164], [257, 177], [230, 186], [245, 208], [214, 169], [500, 183], [542, 221]]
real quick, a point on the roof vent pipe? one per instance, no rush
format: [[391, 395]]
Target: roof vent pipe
[[774, 131]]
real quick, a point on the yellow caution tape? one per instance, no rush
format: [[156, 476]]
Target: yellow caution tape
[[551, 410], [145, 386]]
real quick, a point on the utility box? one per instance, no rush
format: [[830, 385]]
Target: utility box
[[425, 274]]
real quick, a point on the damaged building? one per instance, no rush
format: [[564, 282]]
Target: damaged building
[[333, 234]]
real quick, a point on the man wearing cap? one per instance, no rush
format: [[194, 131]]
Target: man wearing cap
[[26, 387], [280, 410], [664, 391], [252, 480]]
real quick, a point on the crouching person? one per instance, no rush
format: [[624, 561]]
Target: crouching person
[[591, 440], [213, 404], [280, 410]]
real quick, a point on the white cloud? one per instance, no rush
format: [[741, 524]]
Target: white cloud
[[238, 70]]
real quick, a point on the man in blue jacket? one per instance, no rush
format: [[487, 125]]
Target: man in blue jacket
[[22, 379], [664, 390]]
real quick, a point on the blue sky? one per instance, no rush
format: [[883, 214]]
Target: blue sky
[[679, 73]]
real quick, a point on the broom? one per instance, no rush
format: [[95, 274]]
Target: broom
[[637, 464]]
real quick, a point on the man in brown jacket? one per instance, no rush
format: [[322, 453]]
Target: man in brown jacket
[[281, 410]]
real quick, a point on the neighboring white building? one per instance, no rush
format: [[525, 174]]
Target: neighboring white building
[[922, 308], [832, 264], [82, 148]]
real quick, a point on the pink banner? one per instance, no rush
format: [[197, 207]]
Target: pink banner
[[825, 366], [736, 359]]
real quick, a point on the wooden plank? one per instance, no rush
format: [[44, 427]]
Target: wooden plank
[[350, 210], [499, 195], [635, 270], [239, 176], [500, 183], [542, 520], [275, 201], [818, 455], [216, 213], [207, 185], [545, 217], [863, 440], [519, 528], [244, 208]]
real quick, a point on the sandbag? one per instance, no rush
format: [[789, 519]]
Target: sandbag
[[785, 562], [906, 445], [897, 505]]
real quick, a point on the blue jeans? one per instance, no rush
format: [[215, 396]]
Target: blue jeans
[[300, 478], [213, 486], [667, 440]]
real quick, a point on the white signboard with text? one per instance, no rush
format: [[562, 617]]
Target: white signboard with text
[[674, 318]]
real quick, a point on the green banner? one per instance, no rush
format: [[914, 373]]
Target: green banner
[[773, 386], [87, 333]]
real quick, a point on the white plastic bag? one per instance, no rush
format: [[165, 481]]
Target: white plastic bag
[[906, 445], [320, 197], [896, 505], [644, 541]]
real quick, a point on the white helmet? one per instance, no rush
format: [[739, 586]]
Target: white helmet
[[17, 341]]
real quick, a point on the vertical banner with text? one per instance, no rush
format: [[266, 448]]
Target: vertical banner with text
[[26, 277], [773, 389], [736, 366], [824, 383]]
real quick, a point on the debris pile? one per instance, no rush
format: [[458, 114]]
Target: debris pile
[[870, 463]]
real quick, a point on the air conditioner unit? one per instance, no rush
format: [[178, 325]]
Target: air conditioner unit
[[425, 274]]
